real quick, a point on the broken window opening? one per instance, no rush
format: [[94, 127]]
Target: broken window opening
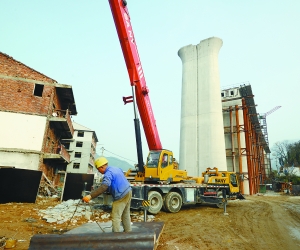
[[38, 90]]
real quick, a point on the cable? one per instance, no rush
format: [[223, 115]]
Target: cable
[[103, 149], [96, 221], [72, 216], [92, 214]]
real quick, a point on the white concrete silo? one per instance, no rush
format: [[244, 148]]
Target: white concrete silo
[[202, 142]]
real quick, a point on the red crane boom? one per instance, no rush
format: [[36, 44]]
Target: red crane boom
[[135, 71]]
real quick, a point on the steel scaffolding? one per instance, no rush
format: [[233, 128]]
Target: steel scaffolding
[[253, 146]]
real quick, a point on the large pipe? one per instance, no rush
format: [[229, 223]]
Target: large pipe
[[137, 240]]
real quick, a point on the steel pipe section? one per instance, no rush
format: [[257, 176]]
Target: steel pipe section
[[136, 240], [202, 142]]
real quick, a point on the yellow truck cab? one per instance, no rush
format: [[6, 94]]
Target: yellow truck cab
[[162, 167]]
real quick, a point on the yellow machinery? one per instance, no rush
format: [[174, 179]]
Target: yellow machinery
[[161, 167], [212, 176]]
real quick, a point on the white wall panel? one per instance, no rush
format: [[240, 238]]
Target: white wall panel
[[20, 131], [19, 160]]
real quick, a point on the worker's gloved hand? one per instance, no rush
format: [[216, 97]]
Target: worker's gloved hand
[[87, 198]]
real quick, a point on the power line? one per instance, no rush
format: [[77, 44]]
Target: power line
[[103, 149]]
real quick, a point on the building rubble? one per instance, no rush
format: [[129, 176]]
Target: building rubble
[[73, 210]]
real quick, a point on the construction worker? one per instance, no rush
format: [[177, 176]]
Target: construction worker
[[118, 186]]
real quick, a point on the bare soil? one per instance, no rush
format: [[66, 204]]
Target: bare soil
[[270, 221]]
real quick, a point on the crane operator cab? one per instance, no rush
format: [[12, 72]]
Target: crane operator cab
[[162, 167]]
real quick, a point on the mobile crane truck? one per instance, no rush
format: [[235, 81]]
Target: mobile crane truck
[[159, 183]]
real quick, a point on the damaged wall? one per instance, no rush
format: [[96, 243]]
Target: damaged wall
[[18, 159], [28, 100]]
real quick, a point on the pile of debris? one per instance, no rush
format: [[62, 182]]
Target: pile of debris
[[65, 211], [46, 188], [75, 209]]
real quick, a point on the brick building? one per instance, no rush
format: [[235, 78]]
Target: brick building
[[35, 116]]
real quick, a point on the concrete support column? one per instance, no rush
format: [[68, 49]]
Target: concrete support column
[[202, 142], [189, 111]]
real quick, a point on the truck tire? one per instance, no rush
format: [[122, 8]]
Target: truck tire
[[172, 202], [156, 202], [220, 195]]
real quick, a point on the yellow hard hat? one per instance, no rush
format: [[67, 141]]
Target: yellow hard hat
[[100, 162]]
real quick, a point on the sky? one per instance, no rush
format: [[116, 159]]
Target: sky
[[76, 43]]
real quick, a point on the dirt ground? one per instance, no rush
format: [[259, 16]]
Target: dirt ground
[[269, 221]]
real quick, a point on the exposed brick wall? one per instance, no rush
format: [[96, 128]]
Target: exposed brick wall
[[56, 102], [51, 141], [18, 95], [10, 67], [17, 84]]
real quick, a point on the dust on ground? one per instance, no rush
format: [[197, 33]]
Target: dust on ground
[[269, 221]]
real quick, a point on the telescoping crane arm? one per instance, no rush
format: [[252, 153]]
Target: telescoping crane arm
[[135, 71]]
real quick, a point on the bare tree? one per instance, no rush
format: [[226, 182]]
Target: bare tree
[[280, 151], [288, 154]]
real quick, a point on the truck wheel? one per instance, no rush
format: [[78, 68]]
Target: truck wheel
[[156, 202], [220, 195], [173, 202]]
